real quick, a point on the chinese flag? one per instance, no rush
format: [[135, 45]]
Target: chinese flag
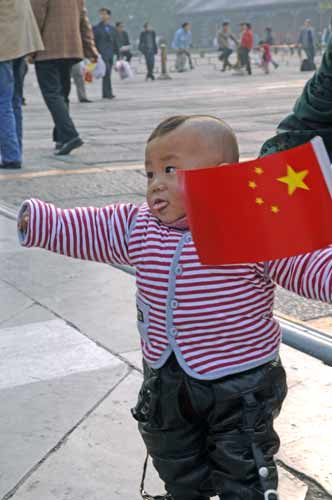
[[266, 209]]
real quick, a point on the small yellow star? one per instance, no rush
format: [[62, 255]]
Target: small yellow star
[[294, 180], [275, 209], [259, 201], [252, 184], [259, 171]]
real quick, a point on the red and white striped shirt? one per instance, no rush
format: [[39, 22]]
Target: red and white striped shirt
[[217, 320]]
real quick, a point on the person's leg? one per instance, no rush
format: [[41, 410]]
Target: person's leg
[[51, 75], [227, 64], [248, 62], [187, 52], [150, 59], [79, 82], [181, 60], [9, 143], [107, 89], [111, 86], [243, 440], [19, 72], [176, 444]]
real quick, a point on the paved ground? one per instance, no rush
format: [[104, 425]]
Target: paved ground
[[69, 355]]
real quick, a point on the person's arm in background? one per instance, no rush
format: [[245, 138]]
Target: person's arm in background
[[89, 47], [155, 43], [40, 8], [141, 45], [176, 42], [115, 42], [312, 113]]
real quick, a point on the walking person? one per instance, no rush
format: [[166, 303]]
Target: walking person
[[68, 38], [148, 46], [182, 43], [270, 40], [19, 36], [227, 42], [246, 45], [307, 41], [123, 42], [107, 45], [266, 56], [76, 73]]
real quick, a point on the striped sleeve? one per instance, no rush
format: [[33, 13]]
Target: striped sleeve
[[98, 234], [308, 275]]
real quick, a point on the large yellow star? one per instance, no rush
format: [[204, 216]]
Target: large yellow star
[[294, 180]]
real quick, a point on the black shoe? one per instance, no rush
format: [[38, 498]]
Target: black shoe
[[67, 147], [85, 100], [58, 145], [11, 164], [109, 97]]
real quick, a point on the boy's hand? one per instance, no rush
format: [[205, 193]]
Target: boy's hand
[[24, 222]]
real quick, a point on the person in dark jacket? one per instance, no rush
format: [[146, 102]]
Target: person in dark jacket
[[312, 113], [123, 42], [148, 47], [107, 45]]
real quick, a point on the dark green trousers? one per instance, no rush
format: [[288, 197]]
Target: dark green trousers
[[210, 438]]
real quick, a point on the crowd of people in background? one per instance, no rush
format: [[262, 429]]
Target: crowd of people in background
[[56, 55]]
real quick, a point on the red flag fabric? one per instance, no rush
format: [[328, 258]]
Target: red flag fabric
[[266, 209]]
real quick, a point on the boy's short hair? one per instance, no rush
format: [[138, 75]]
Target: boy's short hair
[[173, 122], [105, 9]]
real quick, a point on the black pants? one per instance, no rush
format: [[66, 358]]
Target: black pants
[[224, 56], [107, 80], [210, 438], [54, 82], [150, 62], [245, 59]]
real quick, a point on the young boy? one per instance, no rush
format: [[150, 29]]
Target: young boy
[[266, 56], [213, 379]]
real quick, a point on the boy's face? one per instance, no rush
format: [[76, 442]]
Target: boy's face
[[183, 148]]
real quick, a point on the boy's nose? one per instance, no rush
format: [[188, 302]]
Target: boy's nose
[[158, 184]]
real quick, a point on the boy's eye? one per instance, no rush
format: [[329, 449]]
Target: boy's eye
[[170, 170]]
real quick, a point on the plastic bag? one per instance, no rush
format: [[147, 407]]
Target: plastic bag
[[124, 69], [92, 70], [100, 69]]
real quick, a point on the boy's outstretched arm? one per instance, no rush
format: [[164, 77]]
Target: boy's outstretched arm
[[308, 275], [312, 113], [99, 234]]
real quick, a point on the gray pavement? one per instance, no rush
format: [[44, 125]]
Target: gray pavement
[[70, 364]]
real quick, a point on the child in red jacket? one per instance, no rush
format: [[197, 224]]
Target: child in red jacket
[[266, 56]]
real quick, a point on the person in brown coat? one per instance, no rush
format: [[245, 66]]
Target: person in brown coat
[[19, 36], [68, 38]]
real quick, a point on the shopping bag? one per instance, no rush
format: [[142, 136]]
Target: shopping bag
[[124, 69]]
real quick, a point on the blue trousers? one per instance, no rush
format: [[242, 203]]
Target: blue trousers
[[11, 79], [150, 60]]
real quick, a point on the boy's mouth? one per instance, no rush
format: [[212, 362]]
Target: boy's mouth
[[160, 204]]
